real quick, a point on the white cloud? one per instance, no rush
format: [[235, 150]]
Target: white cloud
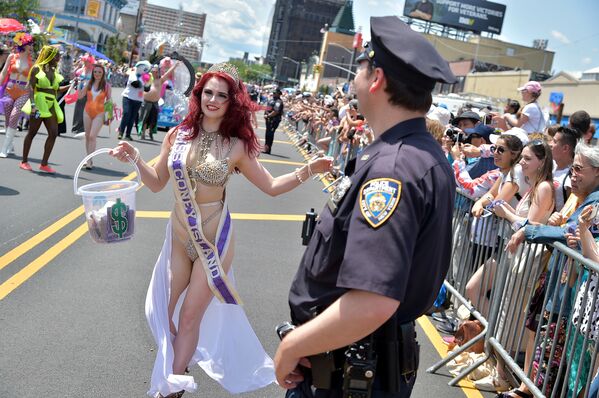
[[586, 60], [232, 26], [560, 36]]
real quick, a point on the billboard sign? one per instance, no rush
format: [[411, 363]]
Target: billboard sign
[[476, 15]]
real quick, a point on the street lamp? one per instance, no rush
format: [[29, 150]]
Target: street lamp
[[351, 56], [297, 63]]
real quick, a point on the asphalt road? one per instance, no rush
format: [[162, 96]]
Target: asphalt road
[[72, 318]]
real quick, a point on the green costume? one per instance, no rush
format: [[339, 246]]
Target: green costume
[[45, 101]]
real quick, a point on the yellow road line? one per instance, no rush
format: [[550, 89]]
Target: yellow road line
[[235, 216], [279, 142], [38, 238], [33, 267], [27, 272], [281, 162], [30, 243], [435, 338]]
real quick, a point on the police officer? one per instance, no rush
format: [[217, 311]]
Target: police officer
[[382, 245], [272, 116]]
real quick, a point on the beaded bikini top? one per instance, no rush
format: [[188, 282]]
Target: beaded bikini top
[[210, 172]]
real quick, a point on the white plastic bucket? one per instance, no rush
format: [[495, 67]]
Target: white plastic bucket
[[109, 206]]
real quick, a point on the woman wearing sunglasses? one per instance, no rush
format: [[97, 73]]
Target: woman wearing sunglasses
[[510, 187]]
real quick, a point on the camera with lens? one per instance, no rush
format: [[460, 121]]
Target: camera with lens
[[455, 135]]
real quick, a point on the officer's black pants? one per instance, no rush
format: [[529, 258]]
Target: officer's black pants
[[269, 136], [304, 390]]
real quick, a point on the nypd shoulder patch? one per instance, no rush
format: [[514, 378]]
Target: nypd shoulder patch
[[378, 199]]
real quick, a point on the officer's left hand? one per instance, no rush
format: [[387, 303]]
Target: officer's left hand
[[287, 370]]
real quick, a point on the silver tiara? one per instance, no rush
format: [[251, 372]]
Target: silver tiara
[[227, 68]]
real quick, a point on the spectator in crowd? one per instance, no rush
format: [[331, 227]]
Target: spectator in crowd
[[585, 315], [531, 117], [466, 120], [581, 121], [562, 148], [585, 191], [510, 186], [511, 108], [478, 136]]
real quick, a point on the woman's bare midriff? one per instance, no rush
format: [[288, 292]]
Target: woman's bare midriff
[[204, 195], [153, 95]]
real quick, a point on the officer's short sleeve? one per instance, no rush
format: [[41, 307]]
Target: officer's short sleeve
[[378, 255]]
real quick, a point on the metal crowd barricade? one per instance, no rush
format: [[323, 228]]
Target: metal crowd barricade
[[542, 299], [478, 246], [564, 342]]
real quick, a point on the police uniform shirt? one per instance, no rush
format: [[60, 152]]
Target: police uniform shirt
[[391, 232], [275, 105]]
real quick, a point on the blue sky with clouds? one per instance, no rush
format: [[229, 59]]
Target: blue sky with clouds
[[572, 28]]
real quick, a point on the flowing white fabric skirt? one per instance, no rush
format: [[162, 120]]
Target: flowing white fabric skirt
[[228, 349]]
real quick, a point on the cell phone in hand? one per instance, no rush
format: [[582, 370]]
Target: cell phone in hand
[[594, 213]]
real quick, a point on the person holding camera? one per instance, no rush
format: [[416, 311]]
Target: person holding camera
[[382, 245]]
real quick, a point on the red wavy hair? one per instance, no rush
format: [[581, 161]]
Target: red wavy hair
[[237, 121]]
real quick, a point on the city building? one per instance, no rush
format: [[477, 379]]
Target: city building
[[89, 22], [337, 53], [578, 93], [175, 22], [296, 34]]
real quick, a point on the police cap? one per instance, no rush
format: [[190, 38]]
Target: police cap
[[405, 54]]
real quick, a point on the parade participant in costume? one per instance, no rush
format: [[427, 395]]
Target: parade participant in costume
[[98, 92], [382, 247], [272, 116], [133, 97], [14, 75], [84, 74], [65, 68], [167, 72], [150, 108], [44, 81], [192, 287]]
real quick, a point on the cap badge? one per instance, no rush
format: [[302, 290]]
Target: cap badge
[[378, 199]]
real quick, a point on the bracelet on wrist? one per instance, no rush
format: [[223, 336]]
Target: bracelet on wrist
[[137, 156], [310, 174], [297, 175]]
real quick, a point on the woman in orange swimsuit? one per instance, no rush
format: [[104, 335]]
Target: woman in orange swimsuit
[[15, 75], [97, 92]]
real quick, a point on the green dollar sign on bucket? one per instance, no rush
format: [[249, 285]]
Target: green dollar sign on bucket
[[119, 218]]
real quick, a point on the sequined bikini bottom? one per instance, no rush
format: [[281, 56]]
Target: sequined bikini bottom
[[189, 246]]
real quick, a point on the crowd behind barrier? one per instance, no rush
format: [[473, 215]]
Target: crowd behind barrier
[[564, 338], [323, 125], [535, 311]]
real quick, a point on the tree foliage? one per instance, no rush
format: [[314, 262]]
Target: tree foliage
[[252, 72], [18, 9], [116, 48]]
